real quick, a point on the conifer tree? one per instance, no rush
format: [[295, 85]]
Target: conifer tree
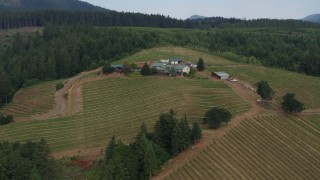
[[150, 161], [196, 132], [111, 149], [177, 140], [200, 65], [145, 71]]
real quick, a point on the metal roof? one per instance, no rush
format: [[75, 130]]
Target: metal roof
[[117, 65], [221, 73], [157, 65], [182, 66]]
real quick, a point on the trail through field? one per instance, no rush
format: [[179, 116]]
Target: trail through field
[[61, 104], [211, 135]]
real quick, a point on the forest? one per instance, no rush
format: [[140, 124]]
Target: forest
[[13, 19], [63, 51]]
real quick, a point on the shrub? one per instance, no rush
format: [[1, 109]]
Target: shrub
[[107, 69], [5, 119], [59, 86]]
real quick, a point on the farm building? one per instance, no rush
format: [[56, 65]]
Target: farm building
[[165, 61], [158, 65], [182, 68], [118, 67], [163, 68], [220, 75], [175, 61]]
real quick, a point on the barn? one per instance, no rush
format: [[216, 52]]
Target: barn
[[220, 75]]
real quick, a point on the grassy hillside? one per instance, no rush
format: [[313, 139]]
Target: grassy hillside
[[155, 54], [119, 106], [266, 147], [282, 81], [305, 87]]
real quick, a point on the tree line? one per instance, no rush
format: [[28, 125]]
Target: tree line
[[63, 51], [9, 20], [12, 19], [220, 22]]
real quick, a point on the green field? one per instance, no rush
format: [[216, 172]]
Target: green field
[[266, 147], [119, 106], [156, 54]]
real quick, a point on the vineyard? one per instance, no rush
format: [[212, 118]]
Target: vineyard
[[32, 101], [305, 87], [119, 106], [266, 147], [269, 146]]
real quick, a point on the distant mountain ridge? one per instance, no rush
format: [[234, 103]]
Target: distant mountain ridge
[[31, 5], [195, 17], [312, 18]]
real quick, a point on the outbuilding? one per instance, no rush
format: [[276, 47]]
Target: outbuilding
[[182, 68], [220, 75], [175, 61]]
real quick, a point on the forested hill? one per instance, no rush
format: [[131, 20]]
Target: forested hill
[[32, 5], [10, 20]]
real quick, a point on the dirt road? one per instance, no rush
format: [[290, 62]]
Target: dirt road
[[60, 108]]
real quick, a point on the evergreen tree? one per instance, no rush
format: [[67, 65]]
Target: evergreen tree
[[186, 133], [6, 89], [143, 131], [200, 65], [176, 140], [111, 149], [150, 161], [164, 129], [145, 71], [51, 66], [146, 156], [196, 132]]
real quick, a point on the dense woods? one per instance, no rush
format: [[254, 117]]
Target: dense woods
[[14, 19], [95, 18], [63, 51], [30, 160]]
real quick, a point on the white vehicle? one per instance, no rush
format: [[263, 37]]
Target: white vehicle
[[233, 80]]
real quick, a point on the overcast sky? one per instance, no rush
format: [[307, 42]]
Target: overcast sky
[[250, 9]]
